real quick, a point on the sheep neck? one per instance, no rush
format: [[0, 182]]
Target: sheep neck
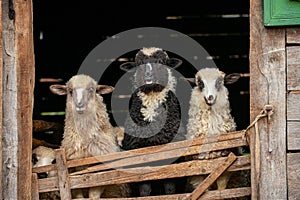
[[153, 100], [207, 120]]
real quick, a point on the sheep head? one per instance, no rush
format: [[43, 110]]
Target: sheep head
[[151, 73], [42, 156], [81, 91], [211, 81]]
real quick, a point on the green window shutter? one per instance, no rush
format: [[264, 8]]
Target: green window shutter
[[281, 12]]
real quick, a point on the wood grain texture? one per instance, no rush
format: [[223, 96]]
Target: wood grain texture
[[9, 121], [293, 135], [267, 86], [1, 96], [137, 174], [293, 35], [293, 67], [63, 175], [18, 79], [215, 174], [149, 154], [25, 92], [34, 187], [293, 108], [208, 195], [293, 169]]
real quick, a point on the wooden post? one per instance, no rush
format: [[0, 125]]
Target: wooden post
[[1, 67], [63, 175], [34, 188], [18, 84], [267, 86]]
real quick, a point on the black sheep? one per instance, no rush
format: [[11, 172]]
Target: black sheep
[[154, 109]]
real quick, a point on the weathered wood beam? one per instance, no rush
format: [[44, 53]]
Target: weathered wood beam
[[208, 195], [18, 84], [1, 96], [63, 175], [144, 155], [214, 175], [267, 86], [137, 174]]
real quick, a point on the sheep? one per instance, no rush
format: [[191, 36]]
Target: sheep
[[87, 130], [210, 114], [153, 108], [42, 156]]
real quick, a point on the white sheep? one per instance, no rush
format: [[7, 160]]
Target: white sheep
[[87, 130], [209, 114], [42, 156]]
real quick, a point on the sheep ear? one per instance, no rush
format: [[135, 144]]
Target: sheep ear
[[128, 66], [174, 62], [191, 80], [231, 78], [58, 89], [104, 89]]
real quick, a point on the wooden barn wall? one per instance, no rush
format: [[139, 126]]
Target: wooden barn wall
[[293, 111], [275, 70], [17, 98], [267, 86]]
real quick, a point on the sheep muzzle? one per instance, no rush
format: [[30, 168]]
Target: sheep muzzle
[[210, 100]]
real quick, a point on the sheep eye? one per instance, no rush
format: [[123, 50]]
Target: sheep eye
[[200, 84], [91, 90], [34, 158], [71, 92], [219, 83], [53, 161]]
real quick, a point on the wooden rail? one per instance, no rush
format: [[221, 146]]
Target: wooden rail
[[143, 164]]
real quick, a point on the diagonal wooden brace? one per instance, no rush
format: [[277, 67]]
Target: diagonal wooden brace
[[215, 174]]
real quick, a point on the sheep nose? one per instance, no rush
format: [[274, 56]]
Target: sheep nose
[[210, 97], [79, 104]]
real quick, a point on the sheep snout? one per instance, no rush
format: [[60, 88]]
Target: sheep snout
[[210, 100]]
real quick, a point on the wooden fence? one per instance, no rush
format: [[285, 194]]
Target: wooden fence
[[123, 167]]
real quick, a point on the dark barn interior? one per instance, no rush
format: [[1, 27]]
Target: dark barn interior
[[66, 31]]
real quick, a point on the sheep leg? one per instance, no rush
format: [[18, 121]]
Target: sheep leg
[[95, 192], [145, 189], [77, 193], [223, 180], [195, 181]]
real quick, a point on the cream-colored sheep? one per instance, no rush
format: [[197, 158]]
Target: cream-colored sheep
[[87, 130], [42, 156], [209, 114]]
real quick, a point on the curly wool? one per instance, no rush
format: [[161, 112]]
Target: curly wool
[[91, 134], [144, 127]]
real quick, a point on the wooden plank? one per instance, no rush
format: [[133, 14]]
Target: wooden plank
[[137, 174], [293, 35], [9, 100], [215, 174], [293, 135], [293, 110], [1, 96], [25, 92], [63, 175], [173, 154], [208, 195], [267, 86], [34, 188], [293, 170], [293, 68], [184, 148]]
